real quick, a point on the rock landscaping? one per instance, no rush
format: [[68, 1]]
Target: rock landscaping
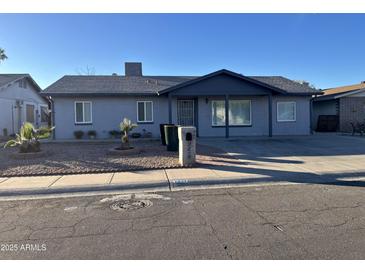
[[93, 157]]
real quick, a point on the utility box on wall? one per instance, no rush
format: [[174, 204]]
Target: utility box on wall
[[187, 145]]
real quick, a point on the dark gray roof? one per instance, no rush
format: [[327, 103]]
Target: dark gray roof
[[114, 84], [143, 85], [286, 84], [8, 78]]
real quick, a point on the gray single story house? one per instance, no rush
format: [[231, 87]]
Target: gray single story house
[[219, 104], [344, 104]]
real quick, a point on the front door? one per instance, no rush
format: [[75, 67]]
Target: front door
[[30, 113], [185, 112]]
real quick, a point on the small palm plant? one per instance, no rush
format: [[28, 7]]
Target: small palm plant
[[28, 138], [126, 126]]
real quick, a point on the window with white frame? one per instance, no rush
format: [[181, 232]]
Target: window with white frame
[[218, 113], [83, 112], [144, 111], [286, 111], [239, 113]]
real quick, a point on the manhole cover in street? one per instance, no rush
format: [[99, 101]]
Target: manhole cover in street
[[130, 205]]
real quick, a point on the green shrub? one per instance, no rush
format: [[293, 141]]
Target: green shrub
[[91, 133], [78, 134], [136, 135]]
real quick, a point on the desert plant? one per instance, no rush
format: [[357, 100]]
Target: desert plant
[[28, 138], [91, 134], [126, 126], [78, 134]]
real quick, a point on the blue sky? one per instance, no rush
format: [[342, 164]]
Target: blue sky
[[324, 49]]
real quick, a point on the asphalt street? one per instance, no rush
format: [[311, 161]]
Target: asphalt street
[[251, 222]]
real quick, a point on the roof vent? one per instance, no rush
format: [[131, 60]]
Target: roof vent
[[152, 81], [133, 69], [302, 82]]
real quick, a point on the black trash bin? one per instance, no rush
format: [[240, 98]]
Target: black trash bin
[[172, 138], [162, 133]]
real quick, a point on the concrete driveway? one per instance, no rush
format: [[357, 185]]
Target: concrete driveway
[[306, 159]]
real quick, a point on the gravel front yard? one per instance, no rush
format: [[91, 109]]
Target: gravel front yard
[[92, 157]]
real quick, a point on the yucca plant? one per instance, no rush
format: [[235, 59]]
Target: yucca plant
[[28, 138], [126, 126]]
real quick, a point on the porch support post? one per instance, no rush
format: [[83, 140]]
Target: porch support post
[[227, 114], [311, 116], [270, 114], [170, 108]]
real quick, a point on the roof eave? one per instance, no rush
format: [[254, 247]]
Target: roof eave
[[338, 95], [303, 93], [99, 94]]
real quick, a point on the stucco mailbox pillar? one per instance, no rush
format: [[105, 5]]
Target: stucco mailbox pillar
[[187, 145]]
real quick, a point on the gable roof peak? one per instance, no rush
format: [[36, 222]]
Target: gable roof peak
[[230, 73], [10, 78]]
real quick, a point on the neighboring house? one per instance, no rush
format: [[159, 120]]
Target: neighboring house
[[20, 101], [219, 104], [347, 103]]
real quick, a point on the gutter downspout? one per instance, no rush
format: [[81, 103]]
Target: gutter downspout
[[170, 107], [52, 118], [270, 114], [311, 115], [12, 119]]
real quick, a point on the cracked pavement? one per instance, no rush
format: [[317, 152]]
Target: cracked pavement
[[252, 222]]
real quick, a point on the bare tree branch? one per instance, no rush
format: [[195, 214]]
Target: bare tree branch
[[86, 71]]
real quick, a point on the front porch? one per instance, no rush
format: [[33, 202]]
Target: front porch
[[224, 101], [227, 115]]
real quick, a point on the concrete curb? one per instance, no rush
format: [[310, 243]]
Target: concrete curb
[[175, 185], [241, 181], [158, 185], [155, 186], [235, 181]]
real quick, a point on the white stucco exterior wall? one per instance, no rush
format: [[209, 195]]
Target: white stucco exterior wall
[[13, 117]]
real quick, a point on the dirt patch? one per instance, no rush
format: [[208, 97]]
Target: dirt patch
[[93, 157]]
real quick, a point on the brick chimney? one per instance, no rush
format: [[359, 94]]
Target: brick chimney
[[133, 69]]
